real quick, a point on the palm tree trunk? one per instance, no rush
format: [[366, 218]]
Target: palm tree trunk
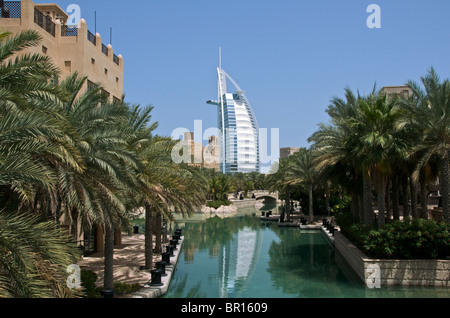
[[311, 212], [423, 196], [395, 198], [414, 205], [405, 196], [148, 237], [157, 230], [367, 200], [355, 206], [361, 207], [388, 199], [444, 165], [381, 191], [108, 283], [288, 205]]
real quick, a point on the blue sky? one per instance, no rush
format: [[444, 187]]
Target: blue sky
[[290, 56]]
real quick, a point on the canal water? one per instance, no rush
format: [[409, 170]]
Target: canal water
[[244, 257]]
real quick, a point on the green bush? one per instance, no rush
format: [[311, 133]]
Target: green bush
[[88, 279], [416, 239], [355, 232], [216, 204]]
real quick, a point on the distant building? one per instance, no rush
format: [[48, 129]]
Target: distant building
[[400, 90], [287, 151], [239, 131], [72, 49], [211, 154], [202, 156]]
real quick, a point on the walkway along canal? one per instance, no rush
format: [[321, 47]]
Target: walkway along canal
[[244, 257]]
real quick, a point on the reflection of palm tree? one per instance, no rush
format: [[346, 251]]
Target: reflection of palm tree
[[294, 265]]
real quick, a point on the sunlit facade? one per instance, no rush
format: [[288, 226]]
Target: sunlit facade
[[239, 132]]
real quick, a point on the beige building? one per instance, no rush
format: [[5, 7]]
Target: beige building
[[202, 156], [403, 90], [211, 154], [287, 151], [71, 48]]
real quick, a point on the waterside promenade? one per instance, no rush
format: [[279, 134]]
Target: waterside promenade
[[128, 261]]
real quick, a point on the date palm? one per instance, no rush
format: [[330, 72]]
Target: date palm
[[163, 185], [98, 194], [278, 180], [33, 254], [302, 171], [333, 145], [377, 141], [432, 117], [34, 257]]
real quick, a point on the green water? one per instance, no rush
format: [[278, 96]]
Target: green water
[[243, 257]]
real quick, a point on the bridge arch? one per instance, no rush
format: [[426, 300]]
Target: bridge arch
[[266, 195]]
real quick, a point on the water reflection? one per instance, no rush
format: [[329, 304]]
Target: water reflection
[[244, 257]]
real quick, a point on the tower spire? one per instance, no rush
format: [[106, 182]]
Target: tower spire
[[220, 58]]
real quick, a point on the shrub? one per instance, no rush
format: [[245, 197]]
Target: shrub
[[216, 204], [416, 239], [124, 288], [88, 279]]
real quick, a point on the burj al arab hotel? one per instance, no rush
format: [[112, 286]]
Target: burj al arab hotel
[[238, 128]]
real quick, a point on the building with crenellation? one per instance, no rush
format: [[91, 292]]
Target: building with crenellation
[[71, 48]]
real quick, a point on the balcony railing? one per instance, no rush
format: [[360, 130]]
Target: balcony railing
[[104, 49], [116, 59], [11, 9], [91, 37], [69, 31], [44, 22]]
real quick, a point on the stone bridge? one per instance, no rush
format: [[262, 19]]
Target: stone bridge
[[265, 195]]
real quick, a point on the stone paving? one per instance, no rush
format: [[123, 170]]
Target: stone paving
[[128, 261]]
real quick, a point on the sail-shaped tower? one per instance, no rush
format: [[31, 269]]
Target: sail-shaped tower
[[238, 128]]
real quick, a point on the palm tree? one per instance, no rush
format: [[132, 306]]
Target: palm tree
[[34, 255], [432, 117], [278, 181], [377, 126], [302, 171], [163, 186], [98, 194], [333, 145]]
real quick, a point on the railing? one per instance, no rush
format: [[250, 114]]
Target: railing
[[92, 38], [11, 10], [69, 31], [104, 49], [116, 59], [44, 22]]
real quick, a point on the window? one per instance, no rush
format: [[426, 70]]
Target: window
[[68, 66], [106, 71], [44, 49]]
